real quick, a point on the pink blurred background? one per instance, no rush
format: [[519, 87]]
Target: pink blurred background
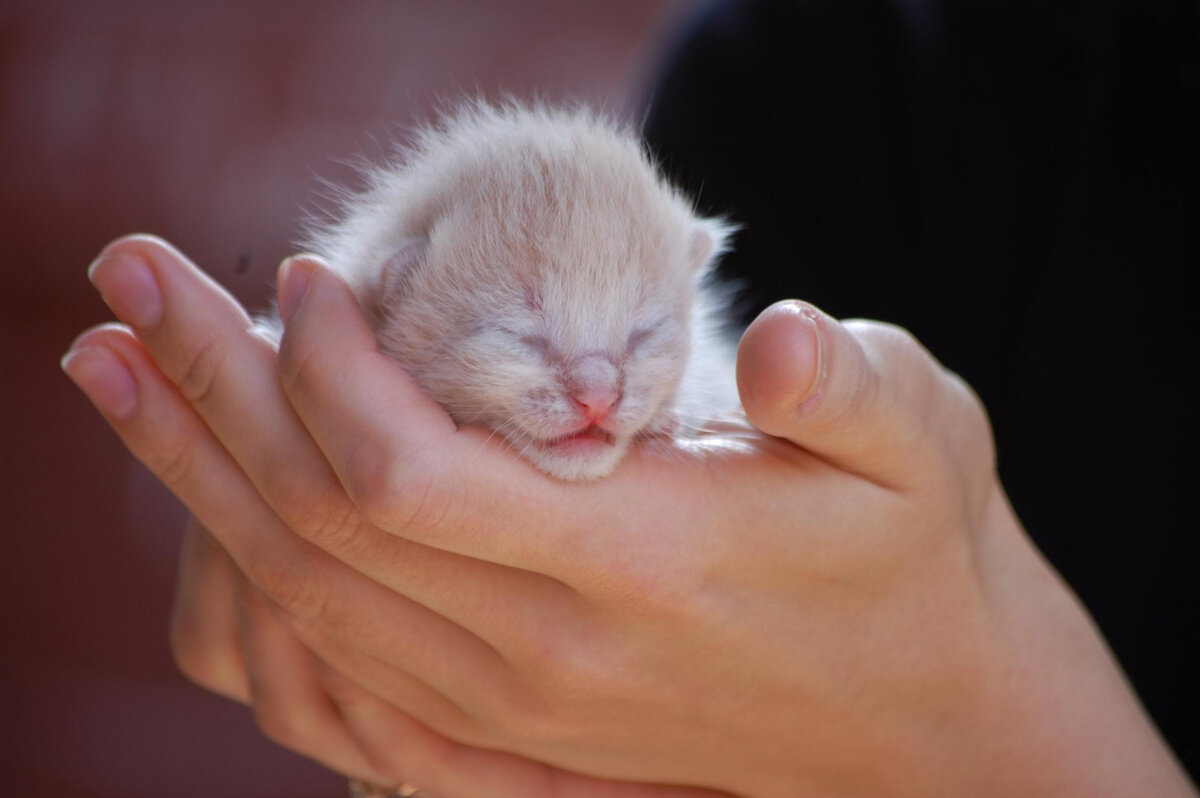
[[210, 124]]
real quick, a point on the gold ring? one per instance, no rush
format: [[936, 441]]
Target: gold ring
[[362, 789]]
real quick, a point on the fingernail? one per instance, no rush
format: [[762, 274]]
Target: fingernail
[[808, 314], [294, 275], [127, 284], [105, 379], [819, 379]]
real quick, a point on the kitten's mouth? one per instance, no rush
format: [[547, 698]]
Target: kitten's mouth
[[582, 441]]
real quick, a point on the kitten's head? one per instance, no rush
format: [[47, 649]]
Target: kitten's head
[[547, 290]]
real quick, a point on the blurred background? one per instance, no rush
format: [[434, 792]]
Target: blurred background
[[211, 124]]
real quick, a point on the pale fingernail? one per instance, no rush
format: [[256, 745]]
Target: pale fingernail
[[105, 379], [808, 314], [128, 286], [294, 275]]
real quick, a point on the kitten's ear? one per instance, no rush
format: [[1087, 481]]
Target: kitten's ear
[[396, 269], [710, 239]]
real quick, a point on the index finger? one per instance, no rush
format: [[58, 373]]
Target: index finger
[[209, 347], [400, 457]]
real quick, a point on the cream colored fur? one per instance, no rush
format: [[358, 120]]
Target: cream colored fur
[[515, 254]]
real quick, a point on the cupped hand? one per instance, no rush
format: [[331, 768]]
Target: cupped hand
[[843, 606]]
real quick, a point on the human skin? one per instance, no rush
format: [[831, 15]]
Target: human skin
[[845, 605]]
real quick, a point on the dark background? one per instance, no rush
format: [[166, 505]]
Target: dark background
[[210, 124]]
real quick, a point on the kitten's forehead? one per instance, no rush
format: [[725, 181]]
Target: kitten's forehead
[[593, 264], [606, 280], [570, 194], [557, 221]]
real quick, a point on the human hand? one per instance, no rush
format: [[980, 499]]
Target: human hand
[[230, 637], [858, 615]]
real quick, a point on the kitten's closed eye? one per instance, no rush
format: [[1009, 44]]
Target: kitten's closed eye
[[536, 343], [640, 336], [540, 344]]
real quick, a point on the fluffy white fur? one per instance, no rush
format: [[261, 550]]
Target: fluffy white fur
[[516, 257]]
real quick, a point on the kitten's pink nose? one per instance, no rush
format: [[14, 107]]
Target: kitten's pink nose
[[595, 386], [596, 400]]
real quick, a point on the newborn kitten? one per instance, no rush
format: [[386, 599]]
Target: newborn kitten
[[536, 275]]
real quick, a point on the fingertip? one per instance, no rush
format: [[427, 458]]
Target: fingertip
[[128, 285], [315, 300], [130, 239], [780, 363], [144, 245], [100, 333], [104, 378], [292, 282]]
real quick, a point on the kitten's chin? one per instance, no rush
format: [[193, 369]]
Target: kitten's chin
[[590, 454]]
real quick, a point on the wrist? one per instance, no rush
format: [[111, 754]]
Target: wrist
[[1055, 715]]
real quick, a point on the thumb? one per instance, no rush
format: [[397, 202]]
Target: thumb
[[862, 395]]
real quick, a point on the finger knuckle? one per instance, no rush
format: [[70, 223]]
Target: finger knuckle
[[394, 496], [201, 368], [908, 358], [566, 682], [299, 366], [376, 481], [914, 379], [894, 340], [296, 589], [173, 461], [334, 528], [318, 511], [895, 348]]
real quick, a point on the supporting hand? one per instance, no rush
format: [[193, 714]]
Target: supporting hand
[[849, 607]]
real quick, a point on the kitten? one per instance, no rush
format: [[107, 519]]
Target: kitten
[[535, 274]]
